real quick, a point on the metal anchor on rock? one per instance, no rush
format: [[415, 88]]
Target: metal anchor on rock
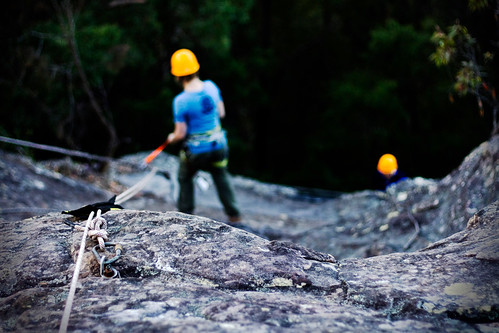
[[106, 270]]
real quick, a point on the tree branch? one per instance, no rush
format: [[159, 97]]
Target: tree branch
[[67, 22]]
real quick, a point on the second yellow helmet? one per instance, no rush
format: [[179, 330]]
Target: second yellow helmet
[[387, 164]]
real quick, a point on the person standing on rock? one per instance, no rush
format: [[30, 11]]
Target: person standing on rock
[[197, 111]]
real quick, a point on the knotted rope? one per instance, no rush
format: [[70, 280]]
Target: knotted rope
[[96, 229]]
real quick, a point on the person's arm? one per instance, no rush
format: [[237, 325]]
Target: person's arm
[[178, 133], [221, 109]]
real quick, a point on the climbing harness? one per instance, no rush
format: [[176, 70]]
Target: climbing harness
[[214, 135], [196, 142]]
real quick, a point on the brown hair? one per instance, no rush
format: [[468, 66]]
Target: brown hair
[[184, 79]]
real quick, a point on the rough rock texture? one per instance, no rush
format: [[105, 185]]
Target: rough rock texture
[[408, 216], [187, 273], [27, 189], [456, 276], [432, 248]]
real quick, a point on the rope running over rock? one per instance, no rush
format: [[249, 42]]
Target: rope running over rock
[[69, 302]]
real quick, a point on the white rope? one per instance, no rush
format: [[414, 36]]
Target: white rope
[[69, 302], [97, 223], [96, 230], [135, 188]]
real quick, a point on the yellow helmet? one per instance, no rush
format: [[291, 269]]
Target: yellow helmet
[[184, 63], [387, 164]]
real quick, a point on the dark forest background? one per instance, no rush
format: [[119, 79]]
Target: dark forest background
[[315, 91]]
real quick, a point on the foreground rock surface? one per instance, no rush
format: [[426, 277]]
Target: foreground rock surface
[[185, 273], [431, 245]]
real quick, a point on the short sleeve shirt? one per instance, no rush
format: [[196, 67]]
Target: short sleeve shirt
[[198, 109]]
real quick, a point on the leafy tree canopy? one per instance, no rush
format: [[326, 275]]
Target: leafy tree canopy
[[315, 91]]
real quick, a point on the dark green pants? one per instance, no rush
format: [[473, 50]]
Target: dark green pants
[[215, 163]]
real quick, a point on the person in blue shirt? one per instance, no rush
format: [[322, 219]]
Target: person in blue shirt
[[197, 111]]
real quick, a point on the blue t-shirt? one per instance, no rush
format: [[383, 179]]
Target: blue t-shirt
[[199, 110]]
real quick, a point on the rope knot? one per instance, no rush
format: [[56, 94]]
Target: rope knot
[[97, 229]]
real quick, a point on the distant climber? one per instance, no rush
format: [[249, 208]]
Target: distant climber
[[388, 172], [197, 111]]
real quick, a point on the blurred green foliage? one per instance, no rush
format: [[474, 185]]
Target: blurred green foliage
[[458, 49], [315, 92]]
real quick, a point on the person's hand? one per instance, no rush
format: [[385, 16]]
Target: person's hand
[[170, 138]]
